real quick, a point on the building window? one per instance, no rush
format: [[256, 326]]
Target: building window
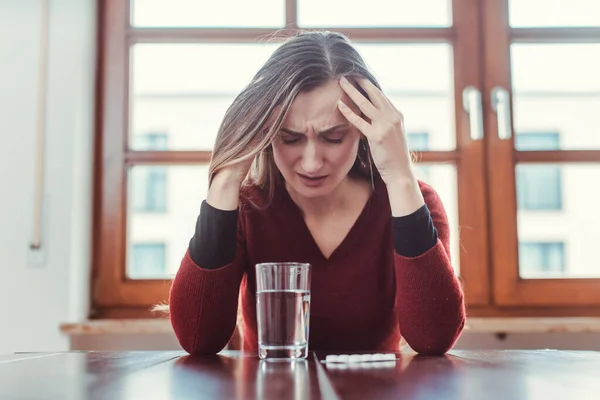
[[149, 189], [541, 257], [532, 141], [149, 183], [151, 141], [419, 141], [147, 260], [539, 187]]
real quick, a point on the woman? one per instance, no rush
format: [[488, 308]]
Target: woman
[[331, 184]]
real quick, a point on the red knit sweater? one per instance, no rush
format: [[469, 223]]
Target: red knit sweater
[[362, 297]]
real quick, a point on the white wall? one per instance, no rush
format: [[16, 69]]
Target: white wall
[[35, 300]]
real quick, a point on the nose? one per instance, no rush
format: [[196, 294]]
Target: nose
[[312, 159]]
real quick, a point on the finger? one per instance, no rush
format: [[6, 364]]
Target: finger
[[395, 109], [354, 119], [361, 101], [375, 95], [392, 105], [378, 98]]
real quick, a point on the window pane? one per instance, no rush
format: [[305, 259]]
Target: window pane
[[195, 13], [339, 13], [540, 259], [148, 189], [556, 89], [442, 177], [418, 141], [183, 90], [555, 226], [548, 13], [422, 89], [539, 187], [151, 141], [531, 141], [173, 227], [147, 261]]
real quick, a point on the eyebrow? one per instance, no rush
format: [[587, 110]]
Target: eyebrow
[[323, 132]]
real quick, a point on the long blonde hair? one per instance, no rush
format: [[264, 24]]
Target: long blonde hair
[[301, 63]]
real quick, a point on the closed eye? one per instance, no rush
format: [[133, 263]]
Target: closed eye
[[334, 137], [289, 141], [288, 138]]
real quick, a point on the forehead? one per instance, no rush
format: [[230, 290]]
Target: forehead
[[318, 106]]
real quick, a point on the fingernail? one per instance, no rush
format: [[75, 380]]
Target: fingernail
[[343, 80], [342, 105]]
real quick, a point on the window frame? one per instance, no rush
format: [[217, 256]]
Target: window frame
[[569, 296], [489, 263]]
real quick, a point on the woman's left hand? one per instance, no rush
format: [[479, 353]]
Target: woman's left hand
[[385, 131]]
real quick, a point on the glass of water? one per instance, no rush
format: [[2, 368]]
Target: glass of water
[[283, 310]]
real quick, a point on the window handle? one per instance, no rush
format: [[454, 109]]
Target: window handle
[[472, 105], [501, 106]]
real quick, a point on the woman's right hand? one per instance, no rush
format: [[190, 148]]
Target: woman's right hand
[[224, 191]]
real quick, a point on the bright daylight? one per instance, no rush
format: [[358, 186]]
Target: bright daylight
[[300, 199]]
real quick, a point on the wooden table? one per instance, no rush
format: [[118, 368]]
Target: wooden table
[[487, 375]]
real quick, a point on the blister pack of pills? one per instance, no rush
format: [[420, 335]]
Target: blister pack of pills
[[345, 361]]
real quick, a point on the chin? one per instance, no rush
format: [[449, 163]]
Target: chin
[[311, 193]]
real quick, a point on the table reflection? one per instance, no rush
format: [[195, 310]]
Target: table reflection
[[236, 375]]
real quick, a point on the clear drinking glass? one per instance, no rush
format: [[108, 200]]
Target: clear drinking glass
[[283, 306]]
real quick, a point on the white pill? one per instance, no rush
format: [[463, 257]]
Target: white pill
[[343, 358], [354, 358], [332, 358]]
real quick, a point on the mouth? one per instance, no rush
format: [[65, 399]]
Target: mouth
[[312, 181]]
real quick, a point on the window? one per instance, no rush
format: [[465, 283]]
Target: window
[[541, 259], [150, 141], [485, 132], [540, 84], [539, 187], [149, 189], [537, 141], [149, 184], [148, 260], [418, 142]]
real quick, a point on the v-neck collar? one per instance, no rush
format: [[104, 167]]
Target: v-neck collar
[[305, 236]]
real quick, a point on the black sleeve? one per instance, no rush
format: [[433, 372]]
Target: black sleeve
[[414, 234], [215, 239]]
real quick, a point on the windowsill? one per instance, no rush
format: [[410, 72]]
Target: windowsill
[[473, 325], [534, 325], [118, 327]]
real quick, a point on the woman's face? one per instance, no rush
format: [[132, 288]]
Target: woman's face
[[317, 146]]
